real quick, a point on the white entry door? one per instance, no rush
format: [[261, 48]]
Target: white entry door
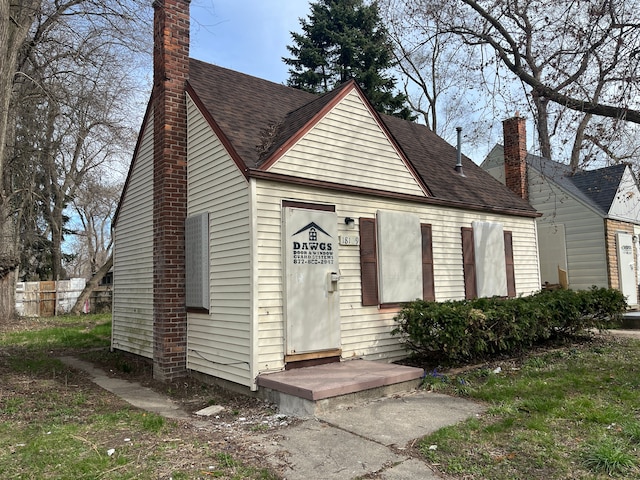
[[626, 267], [312, 295]]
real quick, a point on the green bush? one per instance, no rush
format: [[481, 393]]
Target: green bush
[[461, 331]]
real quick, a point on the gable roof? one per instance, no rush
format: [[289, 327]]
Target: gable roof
[[257, 118], [247, 109], [596, 188], [601, 184]]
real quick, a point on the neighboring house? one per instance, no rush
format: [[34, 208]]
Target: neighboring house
[[300, 222], [590, 219]]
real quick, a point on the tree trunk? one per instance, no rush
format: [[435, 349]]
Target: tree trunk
[[9, 261], [91, 286], [55, 225], [7, 296], [577, 143], [15, 20], [542, 124]]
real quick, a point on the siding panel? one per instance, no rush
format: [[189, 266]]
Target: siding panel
[[132, 329], [219, 343], [348, 147], [366, 329]]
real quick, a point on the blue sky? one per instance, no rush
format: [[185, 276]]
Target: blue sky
[[249, 36]]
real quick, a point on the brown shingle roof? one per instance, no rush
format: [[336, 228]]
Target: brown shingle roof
[[247, 109], [257, 117], [434, 159]]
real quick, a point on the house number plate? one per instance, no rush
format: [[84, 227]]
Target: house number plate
[[349, 240]]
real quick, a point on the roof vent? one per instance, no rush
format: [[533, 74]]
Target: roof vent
[[459, 154]]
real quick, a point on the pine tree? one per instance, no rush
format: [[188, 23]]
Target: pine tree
[[344, 39]]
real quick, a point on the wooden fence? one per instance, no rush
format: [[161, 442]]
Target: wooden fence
[[46, 299]]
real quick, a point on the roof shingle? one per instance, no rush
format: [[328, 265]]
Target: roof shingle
[[258, 117]]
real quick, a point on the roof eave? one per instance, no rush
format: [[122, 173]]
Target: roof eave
[[308, 182]]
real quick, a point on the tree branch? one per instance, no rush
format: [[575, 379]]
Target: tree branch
[[91, 286], [539, 88]]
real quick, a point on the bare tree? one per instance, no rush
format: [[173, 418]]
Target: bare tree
[[15, 21], [576, 59], [94, 204], [63, 77], [435, 67]]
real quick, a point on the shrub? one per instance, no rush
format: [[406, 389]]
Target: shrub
[[459, 331]]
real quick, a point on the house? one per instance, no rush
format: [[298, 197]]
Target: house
[[590, 221], [263, 227]]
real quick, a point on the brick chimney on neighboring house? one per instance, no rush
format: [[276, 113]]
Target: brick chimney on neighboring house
[[515, 155], [170, 74]]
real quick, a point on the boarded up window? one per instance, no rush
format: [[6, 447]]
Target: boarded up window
[[469, 264], [428, 287], [399, 256], [368, 261], [197, 261], [488, 244], [481, 252], [508, 257]]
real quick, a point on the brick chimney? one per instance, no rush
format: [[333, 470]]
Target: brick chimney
[[170, 74], [515, 155]]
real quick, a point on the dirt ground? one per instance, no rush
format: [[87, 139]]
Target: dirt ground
[[242, 430], [238, 431]]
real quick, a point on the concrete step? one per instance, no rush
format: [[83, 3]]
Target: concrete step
[[310, 391], [631, 320]]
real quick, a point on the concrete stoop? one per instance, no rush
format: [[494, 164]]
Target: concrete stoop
[[631, 320], [311, 391]]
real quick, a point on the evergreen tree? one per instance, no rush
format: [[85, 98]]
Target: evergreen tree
[[344, 39]]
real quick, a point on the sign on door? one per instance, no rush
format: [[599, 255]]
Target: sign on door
[[312, 294]]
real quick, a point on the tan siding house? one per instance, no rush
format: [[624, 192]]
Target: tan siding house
[[365, 330], [306, 222], [219, 341]]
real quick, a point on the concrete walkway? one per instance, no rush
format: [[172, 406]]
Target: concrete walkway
[[374, 437], [131, 392], [346, 443]]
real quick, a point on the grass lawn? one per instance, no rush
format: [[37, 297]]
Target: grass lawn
[[56, 424], [569, 413], [572, 412]]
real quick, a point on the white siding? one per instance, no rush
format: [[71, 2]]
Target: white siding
[[626, 204], [348, 147], [366, 330], [584, 229], [133, 256], [219, 342], [497, 173]]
